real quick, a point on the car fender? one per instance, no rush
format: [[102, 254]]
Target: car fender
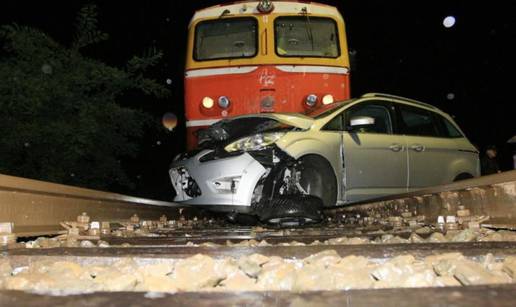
[[310, 145], [462, 165]]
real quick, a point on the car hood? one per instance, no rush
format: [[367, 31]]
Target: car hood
[[240, 126], [292, 119]]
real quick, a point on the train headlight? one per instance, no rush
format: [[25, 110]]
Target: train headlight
[[207, 102], [327, 99], [311, 100], [224, 102]]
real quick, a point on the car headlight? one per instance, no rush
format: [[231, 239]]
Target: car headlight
[[254, 142]]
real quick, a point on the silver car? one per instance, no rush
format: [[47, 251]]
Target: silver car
[[341, 153]]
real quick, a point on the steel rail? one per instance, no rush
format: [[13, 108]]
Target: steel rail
[[378, 251], [499, 295], [492, 196], [37, 207]]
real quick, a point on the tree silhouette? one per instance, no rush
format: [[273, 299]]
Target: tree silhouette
[[61, 118]]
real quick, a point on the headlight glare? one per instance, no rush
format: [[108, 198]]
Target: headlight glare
[[327, 99], [207, 102], [254, 142]]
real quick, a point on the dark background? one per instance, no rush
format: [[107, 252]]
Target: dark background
[[397, 47]]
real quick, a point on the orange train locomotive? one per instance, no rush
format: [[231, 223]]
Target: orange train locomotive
[[253, 57]]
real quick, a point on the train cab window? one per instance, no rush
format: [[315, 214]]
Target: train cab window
[[303, 36], [226, 38]]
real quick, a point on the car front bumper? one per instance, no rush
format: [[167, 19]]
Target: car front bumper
[[227, 182]]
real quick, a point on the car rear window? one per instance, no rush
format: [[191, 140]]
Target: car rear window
[[448, 130]]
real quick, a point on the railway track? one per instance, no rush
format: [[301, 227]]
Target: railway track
[[479, 217], [38, 208]]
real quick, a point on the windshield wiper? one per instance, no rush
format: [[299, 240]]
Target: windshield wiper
[[304, 11]]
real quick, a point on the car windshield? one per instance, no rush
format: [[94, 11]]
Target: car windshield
[[306, 37], [225, 38], [326, 110]]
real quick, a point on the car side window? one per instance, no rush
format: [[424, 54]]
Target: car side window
[[380, 113], [336, 124], [416, 121]]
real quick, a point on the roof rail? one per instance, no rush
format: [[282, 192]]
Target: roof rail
[[382, 95]]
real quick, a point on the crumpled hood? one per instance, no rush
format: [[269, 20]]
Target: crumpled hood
[[245, 125], [292, 119]]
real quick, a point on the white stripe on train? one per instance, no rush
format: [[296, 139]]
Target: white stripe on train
[[285, 68], [313, 69], [220, 71], [201, 122]]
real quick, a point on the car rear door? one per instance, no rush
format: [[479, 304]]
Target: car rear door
[[430, 154], [375, 159]]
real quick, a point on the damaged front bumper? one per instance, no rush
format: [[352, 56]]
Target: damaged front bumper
[[227, 182]]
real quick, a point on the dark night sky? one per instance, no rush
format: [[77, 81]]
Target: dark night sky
[[401, 47]]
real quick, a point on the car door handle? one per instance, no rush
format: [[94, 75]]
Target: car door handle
[[417, 147], [395, 147]]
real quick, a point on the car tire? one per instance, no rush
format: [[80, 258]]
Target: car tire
[[318, 179], [289, 210], [463, 176]]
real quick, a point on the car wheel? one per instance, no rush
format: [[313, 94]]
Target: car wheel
[[318, 179], [463, 176], [292, 210]]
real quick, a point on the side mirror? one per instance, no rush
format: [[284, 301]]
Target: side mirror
[[361, 122]]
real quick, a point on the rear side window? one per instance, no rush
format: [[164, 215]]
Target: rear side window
[[448, 130], [416, 121]]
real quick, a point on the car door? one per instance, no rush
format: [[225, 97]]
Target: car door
[[375, 159], [430, 154]]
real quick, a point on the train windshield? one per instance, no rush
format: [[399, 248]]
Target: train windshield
[[304, 36], [226, 39]]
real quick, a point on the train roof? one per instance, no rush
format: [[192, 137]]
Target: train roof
[[250, 8]]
